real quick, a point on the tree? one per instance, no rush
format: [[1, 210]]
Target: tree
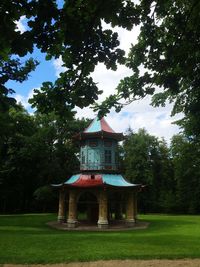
[[147, 162], [13, 70], [186, 157], [35, 151], [15, 170], [75, 32], [167, 185], [81, 41], [168, 50], [13, 45]]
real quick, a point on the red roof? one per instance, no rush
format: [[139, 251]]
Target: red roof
[[105, 127], [99, 180], [86, 180], [98, 125]]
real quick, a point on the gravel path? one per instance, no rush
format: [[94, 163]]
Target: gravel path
[[121, 263]]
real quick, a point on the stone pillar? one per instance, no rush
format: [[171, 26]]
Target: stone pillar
[[103, 210], [130, 218], [72, 215], [61, 209]]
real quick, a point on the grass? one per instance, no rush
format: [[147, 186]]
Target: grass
[[26, 239]]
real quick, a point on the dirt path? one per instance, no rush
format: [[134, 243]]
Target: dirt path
[[122, 263]]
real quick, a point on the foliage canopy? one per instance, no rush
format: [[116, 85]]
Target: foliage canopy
[[165, 60], [73, 32], [167, 49]]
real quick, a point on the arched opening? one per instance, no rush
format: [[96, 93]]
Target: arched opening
[[88, 208], [116, 208]]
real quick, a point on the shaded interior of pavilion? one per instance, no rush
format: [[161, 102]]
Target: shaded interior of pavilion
[[103, 208]]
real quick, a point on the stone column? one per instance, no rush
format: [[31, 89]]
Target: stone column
[[103, 210], [130, 219], [61, 209], [72, 215]]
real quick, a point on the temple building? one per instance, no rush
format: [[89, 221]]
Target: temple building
[[98, 190]]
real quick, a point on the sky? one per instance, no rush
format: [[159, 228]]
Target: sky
[[139, 114]]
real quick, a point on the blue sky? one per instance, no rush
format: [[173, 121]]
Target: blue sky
[[139, 114], [45, 71]]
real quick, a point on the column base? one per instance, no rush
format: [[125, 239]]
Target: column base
[[72, 224], [102, 224], [61, 219], [130, 223]]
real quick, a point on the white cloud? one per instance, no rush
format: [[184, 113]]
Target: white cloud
[[21, 24], [108, 80], [139, 114], [58, 66], [23, 99], [126, 37]]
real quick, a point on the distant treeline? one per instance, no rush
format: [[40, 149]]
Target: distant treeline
[[37, 150], [171, 173]]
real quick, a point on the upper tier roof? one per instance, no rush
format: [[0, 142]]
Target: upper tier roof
[[98, 125], [99, 128]]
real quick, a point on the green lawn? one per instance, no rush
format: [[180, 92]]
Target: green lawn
[[27, 239]]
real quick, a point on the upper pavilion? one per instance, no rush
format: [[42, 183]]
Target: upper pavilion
[[99, 144]]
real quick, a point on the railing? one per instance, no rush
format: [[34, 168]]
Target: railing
[[97, 166]]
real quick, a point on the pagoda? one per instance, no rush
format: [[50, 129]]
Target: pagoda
[[99, 189]]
